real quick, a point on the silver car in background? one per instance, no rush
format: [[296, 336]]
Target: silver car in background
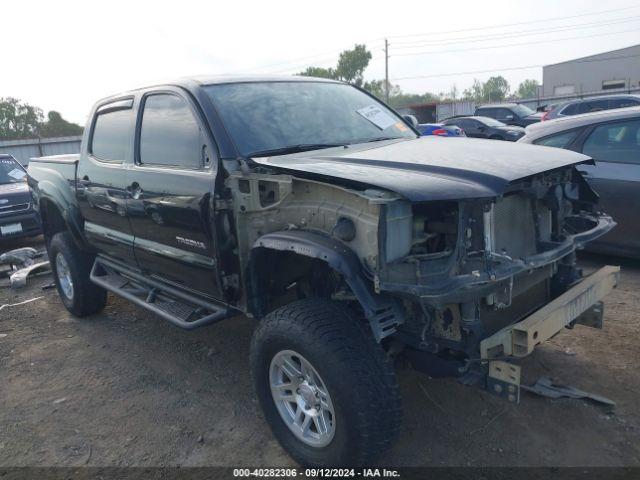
[[612, 138], [588, 105]]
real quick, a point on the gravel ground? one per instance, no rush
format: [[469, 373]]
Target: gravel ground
[[124, 388]]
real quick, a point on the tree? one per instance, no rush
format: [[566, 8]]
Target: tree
[[350, 68], [352, 64], [18, 119], [528, 88], [475, 92], [56, 126], [495, 89], [405, 99], [376, 88], [319, 72], [21, 120]]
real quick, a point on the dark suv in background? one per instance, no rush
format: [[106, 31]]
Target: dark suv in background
[[509, 113], [17, 216], [588, 105], [485, 127]]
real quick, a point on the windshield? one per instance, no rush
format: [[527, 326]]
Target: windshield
[[11, 171], [271, 116], [522, 111], [490, 122]]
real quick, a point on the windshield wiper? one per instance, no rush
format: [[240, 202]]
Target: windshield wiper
[[302, 147], [377, 139], [380, 139]]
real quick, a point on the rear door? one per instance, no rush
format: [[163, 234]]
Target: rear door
[[616, 177], [102, 179], [171, 189]]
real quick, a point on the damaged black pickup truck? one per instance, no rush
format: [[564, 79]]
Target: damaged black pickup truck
[[311, 206]]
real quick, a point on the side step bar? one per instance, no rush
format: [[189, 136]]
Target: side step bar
[[179, 308]]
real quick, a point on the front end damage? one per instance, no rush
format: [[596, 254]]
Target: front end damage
[[448, 261], [483, 281]]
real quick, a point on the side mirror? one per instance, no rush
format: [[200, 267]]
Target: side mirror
[[411, 120], [482, 128]]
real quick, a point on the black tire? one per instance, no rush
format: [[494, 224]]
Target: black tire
[[87, 298], [357, 373]]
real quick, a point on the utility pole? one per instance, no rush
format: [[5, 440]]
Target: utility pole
[[386, 70]]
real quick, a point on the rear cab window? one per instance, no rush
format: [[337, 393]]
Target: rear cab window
[[111, 133]]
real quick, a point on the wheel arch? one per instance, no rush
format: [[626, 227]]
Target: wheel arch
[[383, 313], [57, 219]]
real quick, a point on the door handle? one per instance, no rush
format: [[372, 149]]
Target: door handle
[[134, 190]]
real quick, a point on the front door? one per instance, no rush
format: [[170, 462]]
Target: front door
[[102, 179], [616, 177], [473, 128], [171, 187]]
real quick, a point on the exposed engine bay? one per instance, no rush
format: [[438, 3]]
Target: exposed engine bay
[[458, 271]]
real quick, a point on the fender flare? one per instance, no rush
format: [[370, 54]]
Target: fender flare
[[50, 194], [384, 313]]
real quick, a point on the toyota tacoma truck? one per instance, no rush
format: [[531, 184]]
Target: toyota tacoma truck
[[355, 243]]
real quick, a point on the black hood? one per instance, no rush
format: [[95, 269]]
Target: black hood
[[430, 168]]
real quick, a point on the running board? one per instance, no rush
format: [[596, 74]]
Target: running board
[[179, 308]]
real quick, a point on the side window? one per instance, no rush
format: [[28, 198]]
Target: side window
[[111, 134], [169, 134], [487, 112], [503, 113], [570, 109], [599, 105], [615, 142], [559, 140], [623, 102], [593, 106]]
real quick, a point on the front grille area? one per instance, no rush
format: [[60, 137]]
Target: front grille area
[[18, 207], [510, 227], [522, 304]]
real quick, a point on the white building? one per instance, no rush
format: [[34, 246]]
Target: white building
[[614, 70]]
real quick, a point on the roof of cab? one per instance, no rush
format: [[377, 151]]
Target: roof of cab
[[197, 81], [497, 105], [216, 79]]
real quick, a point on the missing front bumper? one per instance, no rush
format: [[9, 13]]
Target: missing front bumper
[[581, 304], [519, 339]]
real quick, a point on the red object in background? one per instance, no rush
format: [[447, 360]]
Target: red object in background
[[544, 117], [439, 131]]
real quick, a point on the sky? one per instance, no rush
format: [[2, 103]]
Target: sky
[[64, 55]]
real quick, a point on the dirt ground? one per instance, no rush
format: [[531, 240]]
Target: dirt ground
[[124, 388]]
